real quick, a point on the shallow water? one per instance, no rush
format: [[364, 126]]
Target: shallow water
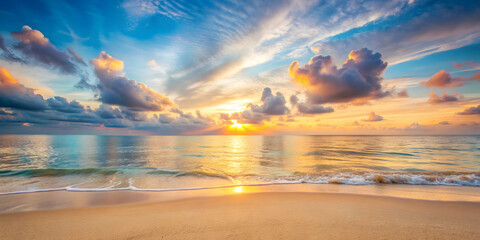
[[102, 163]]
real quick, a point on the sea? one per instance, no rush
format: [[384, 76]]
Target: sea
[[40, 163]]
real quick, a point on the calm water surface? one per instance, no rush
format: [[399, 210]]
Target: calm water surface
[[101, 163]]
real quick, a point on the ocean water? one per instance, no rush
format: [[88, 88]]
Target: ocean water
[[33, 163]]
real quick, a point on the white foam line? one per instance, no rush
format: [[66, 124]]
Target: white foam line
[[133, 188], [35, 191], [415, 180]]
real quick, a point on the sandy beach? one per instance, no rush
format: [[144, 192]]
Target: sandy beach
[[255, 216]]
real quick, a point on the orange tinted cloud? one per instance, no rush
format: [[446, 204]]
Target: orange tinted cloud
[[443, 79], [119, 90], [15, 95], [445, 98], [372, 117]]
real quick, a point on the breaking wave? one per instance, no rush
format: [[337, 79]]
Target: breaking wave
[[127, 178]]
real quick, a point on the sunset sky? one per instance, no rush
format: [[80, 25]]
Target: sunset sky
[[239, 67]]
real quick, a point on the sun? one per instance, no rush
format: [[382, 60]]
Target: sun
[[237, 128], [236, 124], [238, 189]]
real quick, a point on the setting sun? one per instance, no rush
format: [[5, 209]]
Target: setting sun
[[238, 189], [237, 127], [329, 113], [235, 124]]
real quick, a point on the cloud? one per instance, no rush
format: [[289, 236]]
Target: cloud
[[272, 104], [471, 111], [313, 109], [15, 95], [418, 30], [358, 79], [307, 108], [154, 66], [372, 117], [403, 93], [413, 126], [224, 39], [108, 112], [476, 76], [118, 90], [33, 44], [20, 105], [443, 79], [77, 57], [444, 123], [294, 100], [7, 53], [249, 116], [460, 65], [445, 98], [137, 9], [105, 118], [61, 104]]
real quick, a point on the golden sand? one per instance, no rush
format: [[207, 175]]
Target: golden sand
[[255, 216]]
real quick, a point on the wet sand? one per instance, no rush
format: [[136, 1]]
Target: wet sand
[[266, 215]]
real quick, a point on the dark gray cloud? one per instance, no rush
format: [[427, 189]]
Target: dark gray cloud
[[108, 112], [20, 107], [118, 90], [107, 117], [61, 104], [471, 111], [272, 104], [306, 108], [7, 53], [249, 116], [313, 109], [445, 98], [77, 57], [358, 80], [372, 117], [15, 95], [294, 100], [84, 83], [31, 47], [33, 44], [444, 123]]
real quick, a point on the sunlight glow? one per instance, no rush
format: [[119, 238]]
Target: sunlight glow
[[236, 124], [237, 128], [238, 189]]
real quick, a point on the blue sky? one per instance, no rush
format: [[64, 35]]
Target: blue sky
[[218, 57]]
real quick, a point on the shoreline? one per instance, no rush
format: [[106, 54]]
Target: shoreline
[[64, 199], [266, 215]]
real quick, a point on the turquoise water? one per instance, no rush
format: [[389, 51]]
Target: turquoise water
[[102, 163]]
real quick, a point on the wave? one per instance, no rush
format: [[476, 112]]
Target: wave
[[448, 179], [56, 172], [347, 178], [443, 178]]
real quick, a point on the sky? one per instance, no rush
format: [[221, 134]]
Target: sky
[[140, 67]]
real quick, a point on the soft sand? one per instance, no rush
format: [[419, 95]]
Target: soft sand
[[255, 216]]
